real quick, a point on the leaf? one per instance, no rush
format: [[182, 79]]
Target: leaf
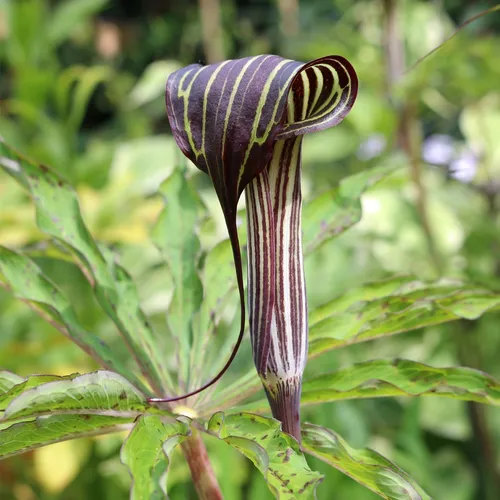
[[151, 84], [101, 392], [87, 81], [219, 297], [26, 436], [395, 306], [175, 236], [335, 211], [7, 381], [455, 33], [276, 454], [146, 453], [365, 466], [376, 310], [139, 165], [69, 15], [244, 386], [402, 378], [28, 383], [398, 377], [28, 283], [58, 214]]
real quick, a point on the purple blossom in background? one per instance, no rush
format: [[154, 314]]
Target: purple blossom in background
[[372, 147], [464, 167], [438, 149]]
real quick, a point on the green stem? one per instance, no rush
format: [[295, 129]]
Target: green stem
[[289, 17], [202, 473], [211, 30], [410, 138], [408, 134]]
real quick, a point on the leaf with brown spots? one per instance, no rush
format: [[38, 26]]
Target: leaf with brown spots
[[146, 453], [398, 377], [276, 454], [386, 378], [365, 466], [394, 306]]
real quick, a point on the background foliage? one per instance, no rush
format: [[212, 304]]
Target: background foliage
[[81, 89]]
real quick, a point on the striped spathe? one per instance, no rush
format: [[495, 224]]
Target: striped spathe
[[242, 121]]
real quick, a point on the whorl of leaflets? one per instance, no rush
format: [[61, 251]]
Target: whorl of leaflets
[[242, 121]]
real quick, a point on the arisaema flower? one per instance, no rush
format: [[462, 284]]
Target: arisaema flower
[[242, 121]]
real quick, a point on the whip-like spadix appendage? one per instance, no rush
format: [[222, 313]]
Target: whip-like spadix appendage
[[240, 121]]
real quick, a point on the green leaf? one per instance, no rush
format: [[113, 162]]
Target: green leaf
[[376, 310], [402, 378], [70, 15], [100, 392], [244, 386], [335, 211], [151, 84], [25, 436], [219, 294], [85, 84], [276, 454], [175, 236], [58, 214], [146, 453], [398, 377], [395, 306], [28, 383], [8, 380], [363, 465], [28, 283]]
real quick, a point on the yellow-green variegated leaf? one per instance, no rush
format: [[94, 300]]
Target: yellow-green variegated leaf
[[96, 393], [146, 453], [26, 436], [396, 378], [27, 282], [365, 466], [394, 306], [276, 454]]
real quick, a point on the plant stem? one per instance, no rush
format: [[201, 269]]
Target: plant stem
[[483, 447], [410, 141], [408, 134], [202, 473], [212, 32], [289, 14], [482, 444]]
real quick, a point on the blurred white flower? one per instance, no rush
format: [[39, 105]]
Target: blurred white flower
[[438, 149], [372, 147]]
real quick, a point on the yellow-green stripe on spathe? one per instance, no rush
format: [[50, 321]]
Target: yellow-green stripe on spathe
[[305, 97], [184, 95], [233, 95], [205, 102], [329, 106], [319, 85], [272, 121], [328, 110]]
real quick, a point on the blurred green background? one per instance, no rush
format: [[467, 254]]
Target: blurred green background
[[81, 89]]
